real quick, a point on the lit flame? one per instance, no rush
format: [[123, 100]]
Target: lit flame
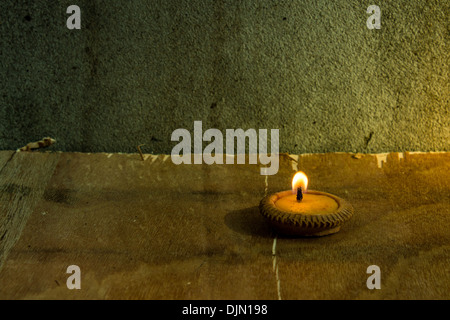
[[299, 180]]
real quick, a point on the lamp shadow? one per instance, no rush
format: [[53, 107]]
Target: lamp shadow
[[248, 221]]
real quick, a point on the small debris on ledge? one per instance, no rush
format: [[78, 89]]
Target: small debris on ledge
[[45, 142]]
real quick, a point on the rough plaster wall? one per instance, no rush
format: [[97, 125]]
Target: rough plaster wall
[[137, 70]]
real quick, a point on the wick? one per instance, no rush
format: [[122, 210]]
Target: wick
[[299, 194]]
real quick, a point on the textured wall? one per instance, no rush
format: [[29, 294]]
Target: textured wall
[[139, 69]]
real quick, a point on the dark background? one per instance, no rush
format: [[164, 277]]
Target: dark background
[[137, 70]]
